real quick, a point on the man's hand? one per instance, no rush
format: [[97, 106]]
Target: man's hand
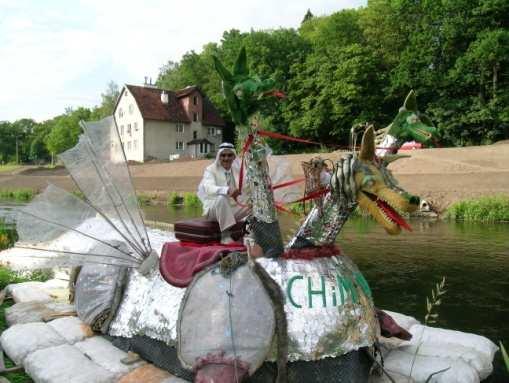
[[233, 192]]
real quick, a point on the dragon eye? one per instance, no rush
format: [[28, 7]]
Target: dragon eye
[[368, 181]]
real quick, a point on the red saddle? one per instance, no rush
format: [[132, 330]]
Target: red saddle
[[200, 230], [180, 261]]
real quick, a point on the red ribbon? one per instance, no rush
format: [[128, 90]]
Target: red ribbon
[[288, 183], [247, 144]]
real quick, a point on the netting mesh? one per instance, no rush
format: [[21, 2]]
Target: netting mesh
[[353, 367], [267, 236], [62, 228], [98, 166], [105, 227]]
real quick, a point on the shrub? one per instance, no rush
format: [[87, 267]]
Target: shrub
[[144, 199], [8, 235], [174, 199], [192, 200], [21, 195], [483, 209]]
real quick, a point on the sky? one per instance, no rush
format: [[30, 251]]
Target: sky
[[56, 54]]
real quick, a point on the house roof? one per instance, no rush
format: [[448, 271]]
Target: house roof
[[198, 141], [151, 107]]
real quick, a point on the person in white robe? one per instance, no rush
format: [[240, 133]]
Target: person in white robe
[[219, 192]]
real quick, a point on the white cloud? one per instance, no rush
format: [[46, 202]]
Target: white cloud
[[63, 53]]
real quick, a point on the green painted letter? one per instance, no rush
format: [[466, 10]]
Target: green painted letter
[[289, 290]]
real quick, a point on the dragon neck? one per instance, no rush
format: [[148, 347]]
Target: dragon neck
[[322, 225]]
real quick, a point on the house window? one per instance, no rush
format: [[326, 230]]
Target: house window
[[121, 130], [180, 127], [135, 144], [203, 147], [195, 116], [179, 145], [218, 132], [129, 129], [195, 135], [128, 145], [211, 131], [195, 100], [135, 126], [131, 108], [120, 113], [125, 93]]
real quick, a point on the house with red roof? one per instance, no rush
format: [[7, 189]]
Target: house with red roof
[[155, 123]]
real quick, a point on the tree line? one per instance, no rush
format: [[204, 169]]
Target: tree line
[[358, 65], [28, 141], [352, 66]]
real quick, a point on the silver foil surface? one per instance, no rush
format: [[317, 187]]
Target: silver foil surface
[[258, 178], [328, 307], [228, 315], [322, 225]]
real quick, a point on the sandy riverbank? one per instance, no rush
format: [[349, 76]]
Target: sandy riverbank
[[441, 176]]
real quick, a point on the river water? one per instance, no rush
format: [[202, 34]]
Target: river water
[[402, 270]]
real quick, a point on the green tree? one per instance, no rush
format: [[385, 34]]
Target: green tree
[[65, 131], [108, 101]]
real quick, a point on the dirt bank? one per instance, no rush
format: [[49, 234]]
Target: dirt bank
[[441, 176]]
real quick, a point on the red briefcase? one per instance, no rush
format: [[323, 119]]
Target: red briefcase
[[200, 230]]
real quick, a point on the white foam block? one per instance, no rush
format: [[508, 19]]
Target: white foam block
[[104, 354], [72, 329], [28, 292], [22, 339], [65, 364]]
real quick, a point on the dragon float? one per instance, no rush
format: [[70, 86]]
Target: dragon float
[[300, 312]]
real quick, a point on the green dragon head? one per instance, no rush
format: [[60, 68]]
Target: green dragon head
[[410, 124], [378, 192], [242, 91]]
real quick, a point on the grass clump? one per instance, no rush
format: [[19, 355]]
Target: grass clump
[[145, 199], [174, 199], [483, 209], [8, 235], [186, 199], [9, 167], [20, 195], [192, 200]]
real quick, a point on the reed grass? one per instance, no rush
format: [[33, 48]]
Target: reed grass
[[8, 235], [192, 200], [186, 199], [174, 199], [19, 195], [483, 209]]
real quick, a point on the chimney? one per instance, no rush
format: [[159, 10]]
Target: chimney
[[164, 97]]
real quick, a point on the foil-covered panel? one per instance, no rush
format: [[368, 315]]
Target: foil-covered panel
[[328, 306], [228, 315], [322, 225], [257, 174]]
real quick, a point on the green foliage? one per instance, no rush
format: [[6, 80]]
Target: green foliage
[[192, 200], [8, 235], [505, 357], [20, 195], [432, 304], [174, 199], [145, 199], [8, 276], [483, 209]]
